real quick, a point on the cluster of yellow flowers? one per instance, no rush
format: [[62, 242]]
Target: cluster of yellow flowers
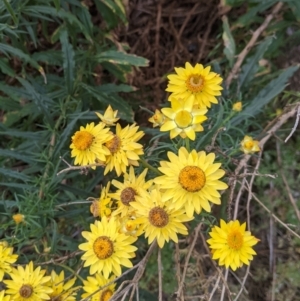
[[31, 284], [158, 208], [187, 183]]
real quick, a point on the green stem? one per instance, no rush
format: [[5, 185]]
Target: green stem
[[147, 165], [187, 143]]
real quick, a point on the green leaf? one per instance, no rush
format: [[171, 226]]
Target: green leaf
[[251, 15], [228, 40], [42, 101], [113, 88], [11, 11], [57, 4], [124, 110], [110, 12], [268, 93], [251, 66], [117, 57], [18, 155], [8, 173], [5, 68], [68, 61], [295, 7], [20, 54]]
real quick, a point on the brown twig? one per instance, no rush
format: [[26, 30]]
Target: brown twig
[[251, 43]]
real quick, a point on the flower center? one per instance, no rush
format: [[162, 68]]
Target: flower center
[[183, 119], [249, 144], [106, 295], [194, 83], [158, 217], [114, 144], [26, 290], [235, 240], [192, 178], [128, 195], [82, 140], [103, 247]]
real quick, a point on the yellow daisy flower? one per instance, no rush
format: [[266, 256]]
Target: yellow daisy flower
[[249, 146], [28, 284], [196, 83], [102, 206], [106, 249], [88, 144], [158, 219], [129, 226], [231, 244], [237, 106], [93, 284], [6, 258], [184, 119], [61, 290], [4, 297], [127, 192], [158, 119], [18, 218], [191, 180], [109, 117], [124, 149]]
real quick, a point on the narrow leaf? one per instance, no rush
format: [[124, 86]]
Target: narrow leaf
[[117, 57], [68, 60], [268, 93], [251, 66], [228, 40]]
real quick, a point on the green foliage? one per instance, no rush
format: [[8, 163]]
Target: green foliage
[[56, 67]]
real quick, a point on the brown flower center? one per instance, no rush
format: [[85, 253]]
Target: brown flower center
[[26, 290], [114, 144], [235, 240], [103, 247], [106, 295], [128, 195], [194, 83], [158, 217], [192, 178], [82, 140]]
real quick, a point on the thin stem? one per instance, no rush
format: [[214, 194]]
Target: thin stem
[[147, 165], [187, 143]]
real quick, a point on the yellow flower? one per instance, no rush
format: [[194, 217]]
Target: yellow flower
[[237, 106], [93, 284], [195, 83], [129, 226], [191, 180], [62, 290], [102, 206], [106, 249], [18, 218], [158, 119], [4, 297], [249, 146], [124, 149], [28, 284], [158, 219], [88, 144], [109, 117], [231, 244], [127, 192], [6, 258], [184, 119]]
